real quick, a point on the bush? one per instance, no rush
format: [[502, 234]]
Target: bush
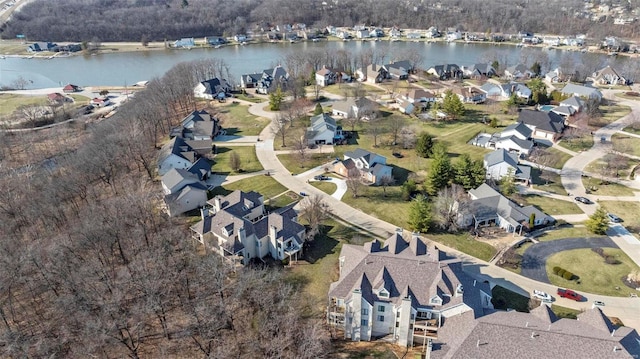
[[561, 272], [599, 251], [556, 270], [567, 275], [611, 260]]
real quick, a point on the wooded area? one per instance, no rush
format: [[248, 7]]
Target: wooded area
[[158, 20], [90, 267]]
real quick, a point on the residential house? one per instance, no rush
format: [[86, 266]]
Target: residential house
[[326, 77], [201, 168], [69, 88], [501, 163], [556, 76], [446, 72], [372, 73], [574, 102], [414, 35], [174, 180], [372, 166], [518, 72], [100, 101], [470, 94], [240, 38], [504, 91], [377, 32], [453, 36], [418, 95], [432, 33], [186, 42], [545, 125], [41, 46], [271, 79], [564, 111], [488, 207], [211, 89], [405, 290], [362, 34], [354, 108], [175, 154], [514, 138], [323, 130], [589, 93], [184, 189], [198, 126], [57, 98], [238, 228], [190, 197], [479, 70], [215, 40], [406, 107], [609, 76], [399, 70], [395, 33]]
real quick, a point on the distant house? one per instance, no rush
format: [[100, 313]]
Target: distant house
[[479, 70], [582, 91], [41, 46], [240, 38], [175, 154], [419, 95], [504, 91], [574, 102], [239, 229], [57, 98], [609, 76], [405, 290], [406, 107], [199, 126], [323, 130], [514, 138], [266, 81], [545, 125], [185, 42], [326, 77], [446, 72], [398, 70], [362, 34], [488, 207], [372, 73], [100, 101], [501, 163], [353, 108], [372, 166], [215, 40], [470, 94], [71, 88], [556, 76], [211, 89], [518, 72]]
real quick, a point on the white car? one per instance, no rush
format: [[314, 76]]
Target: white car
[[545, 297]]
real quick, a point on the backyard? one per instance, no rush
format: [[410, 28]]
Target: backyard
[[236, 120], [547, 181], [595, 276], [548, 205]]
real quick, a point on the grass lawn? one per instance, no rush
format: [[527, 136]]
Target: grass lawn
[[628, 211], [595, 275], [283, 200], [503, 298], [249, 97], [266, 186], [611, 113], [390, 209], [611, 189], [557, 158], [564, 312], [324, 186], [547, 181], [582, 143], [626, 144], [10, 102], [565, 232], [465, 244], [321, 267], [549, 205], [291, 162], [248, 159], [635, 129], [236, 120]]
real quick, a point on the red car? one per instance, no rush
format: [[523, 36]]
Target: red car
[[568, 293]]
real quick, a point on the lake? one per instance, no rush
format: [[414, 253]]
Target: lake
[[127, 68]]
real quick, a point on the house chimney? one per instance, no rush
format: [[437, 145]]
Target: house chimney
[[613, 332], [526, 325], [478, 343], [204, 213], [533, 335], [399, 230], [615, 348], [216, 203], [474, 282]]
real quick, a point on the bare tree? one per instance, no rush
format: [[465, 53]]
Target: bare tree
[[396, 124], [543, 159], [314, 210], [450, 204], [408, 137], [354, 182], [280, 127], [234, 161], [375, 128], [386, 181]]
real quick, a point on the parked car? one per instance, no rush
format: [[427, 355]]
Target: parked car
[[543, 296], [598, 303], [320, 178], [584, 200], [397, 155], [568, 293], [303, 194], [613, 218]]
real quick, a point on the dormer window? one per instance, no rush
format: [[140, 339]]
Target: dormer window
[[459, 290], [383, 293], [435, 300]]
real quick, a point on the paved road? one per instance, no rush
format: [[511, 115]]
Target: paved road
[[535, 257]]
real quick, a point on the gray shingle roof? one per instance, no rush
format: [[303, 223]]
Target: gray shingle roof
[[545, 121], [573, 89], [489, 202], [520, 128], [177, 175], [499, 156]]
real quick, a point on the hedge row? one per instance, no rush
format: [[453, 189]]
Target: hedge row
[[563, 273]]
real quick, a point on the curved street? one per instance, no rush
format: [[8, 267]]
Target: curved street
[[616, 306]]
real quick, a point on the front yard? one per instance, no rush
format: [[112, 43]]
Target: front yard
[[597, 187], [595, 276], [248, 159], [565, 232], [626, 144], [236, 120], [547, 181], [549, 205], [265, 185], [626, 210]]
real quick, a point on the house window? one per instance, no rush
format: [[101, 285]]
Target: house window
[[381, 308], [258, 243], [398, 314], [381, 318], [364, 322], [364, 311]]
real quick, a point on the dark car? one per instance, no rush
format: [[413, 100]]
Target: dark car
[[320, 178], [397, 155], [584, 200], [613, 218]]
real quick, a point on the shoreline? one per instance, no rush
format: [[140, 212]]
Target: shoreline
[[17, 49]]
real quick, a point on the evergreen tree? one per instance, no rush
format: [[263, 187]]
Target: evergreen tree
[[508, 183], [536, 68], [408, 188], [318, 110], [424, 145], [468, 173], [538, 91], [440, 172], [275, 99], [452, 105], [598, 221], [420, 214]]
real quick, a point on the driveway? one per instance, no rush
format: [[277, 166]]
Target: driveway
[[535, 257]]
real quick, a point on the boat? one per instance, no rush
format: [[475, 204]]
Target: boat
[[217, 46]]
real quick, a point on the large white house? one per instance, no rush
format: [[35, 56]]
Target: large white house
[[501, 163], [372, 167], [323, 130], [175, 154], [403, 289], [211, 89], [238, 228]]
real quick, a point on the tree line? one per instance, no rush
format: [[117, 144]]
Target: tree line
[[157, 20], [89, 265]]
